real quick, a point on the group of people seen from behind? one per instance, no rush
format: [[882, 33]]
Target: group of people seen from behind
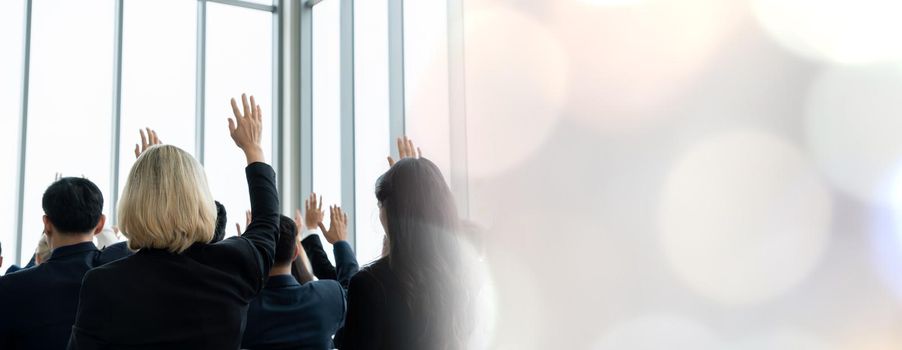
[[166, 276]]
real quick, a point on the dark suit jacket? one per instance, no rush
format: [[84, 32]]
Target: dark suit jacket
[[197, 299], [378, 315], [322, 267], [289, 315], [38, 304]]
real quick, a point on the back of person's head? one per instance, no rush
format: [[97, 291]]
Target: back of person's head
[[221, 220], [421, 225], [286, 246], [73, 205], [166, 202]]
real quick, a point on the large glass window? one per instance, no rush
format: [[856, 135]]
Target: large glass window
[[327, 105], [70, 102], [426, 79], [239, 60], [371, 120], [158, 75], [12, 15]]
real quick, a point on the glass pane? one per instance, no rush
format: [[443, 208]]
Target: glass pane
[[371, 120], [158, 70], [70, 101], [326, 105], [12, 19], [426, 79], [239, 60]]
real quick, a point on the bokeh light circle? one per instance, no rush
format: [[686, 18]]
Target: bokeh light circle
[[853, 119], [840, 31], [628, 63], [516, 84], [656, 332], [744, 217]]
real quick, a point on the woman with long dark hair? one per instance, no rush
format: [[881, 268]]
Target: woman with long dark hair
[[414, 297]]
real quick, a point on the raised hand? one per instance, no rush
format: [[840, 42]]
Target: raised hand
[[314, 211], [247, 222], [147, 140], [338, 225], [298, 221], [247, 128], [406, 149]]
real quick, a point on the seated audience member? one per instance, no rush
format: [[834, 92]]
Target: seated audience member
[[291, 315], [221, 221], [313, 247], [414, 297], [178, 291], [39, 304]]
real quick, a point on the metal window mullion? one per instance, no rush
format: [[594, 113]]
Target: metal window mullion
[[306, 100], [23, 132], [396, 70], [200, 81], [348, 170], [457, 99], [247, 5], [117, 112], [276, 114]]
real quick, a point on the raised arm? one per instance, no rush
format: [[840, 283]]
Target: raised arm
[[263, 230], [345, 261], [313, 247]]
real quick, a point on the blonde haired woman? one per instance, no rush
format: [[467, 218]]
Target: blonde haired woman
[[178, 291]]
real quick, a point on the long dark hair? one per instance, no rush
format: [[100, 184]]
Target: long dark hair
[[422, 225]]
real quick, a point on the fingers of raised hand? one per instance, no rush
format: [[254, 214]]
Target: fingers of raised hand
[[246, 106], [247, 216], [410, 148], [143, 139]]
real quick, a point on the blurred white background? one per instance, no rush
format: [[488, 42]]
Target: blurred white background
[[688, 174]]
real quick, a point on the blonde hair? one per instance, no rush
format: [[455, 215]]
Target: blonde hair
[[42, 253], [166, 203]]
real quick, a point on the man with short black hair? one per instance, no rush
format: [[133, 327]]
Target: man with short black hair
[[291, 315], [39, 303]]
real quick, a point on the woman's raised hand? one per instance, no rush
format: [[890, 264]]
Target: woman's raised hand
[[406, 149], [247, 128], [147, 140]]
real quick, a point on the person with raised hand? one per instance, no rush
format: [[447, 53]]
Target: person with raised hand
[[179, 291], [294, 312], [415, 296], [322, 267]]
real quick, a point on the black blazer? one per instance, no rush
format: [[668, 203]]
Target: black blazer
[[290, 315], [194, 300], [38, 304], [378, 316], [322, 267]]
